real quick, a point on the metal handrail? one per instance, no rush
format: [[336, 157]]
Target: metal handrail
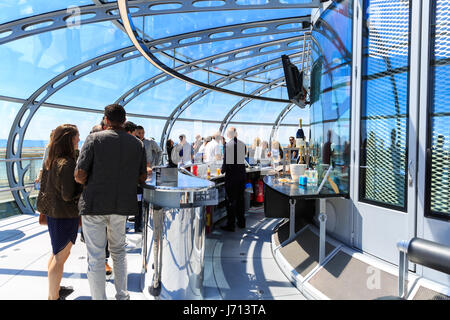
[[424, 252], [21, 159]]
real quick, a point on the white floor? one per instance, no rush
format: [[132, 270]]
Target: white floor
[[238, 265]]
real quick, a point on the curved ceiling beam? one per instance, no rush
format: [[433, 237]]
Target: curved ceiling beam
[[260, 68], [139, 43], [278, 120], [232, 32], [243, 102], [70, 17], [225, 57]]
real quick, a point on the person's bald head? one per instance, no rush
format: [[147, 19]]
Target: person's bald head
[[231, 133]]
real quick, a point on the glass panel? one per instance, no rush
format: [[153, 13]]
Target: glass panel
[[8, 112], [33, 61], [262, 111], [192, 128], [215, 105], [8, 206], [384, 114], [163, 99], [13, 9], [165, 25], [329, 135], [106, 85], [439, 114]]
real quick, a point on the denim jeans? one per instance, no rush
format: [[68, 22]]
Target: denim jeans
[[97, 230]]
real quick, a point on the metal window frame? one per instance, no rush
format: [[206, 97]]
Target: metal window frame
[[427, 95], [399, 115]]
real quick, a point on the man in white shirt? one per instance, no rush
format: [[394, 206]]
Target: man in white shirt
[[213, 149]]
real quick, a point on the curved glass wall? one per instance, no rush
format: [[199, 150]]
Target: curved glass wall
[[83, 67], [331, 92]]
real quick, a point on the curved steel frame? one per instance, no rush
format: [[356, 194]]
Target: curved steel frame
[[225, 57], [97, 13], [251, 71], [24, 116], [35, 25], [280, 118], [244, 101], [148, 55]]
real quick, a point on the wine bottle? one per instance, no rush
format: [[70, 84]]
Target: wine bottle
[[300, 133]]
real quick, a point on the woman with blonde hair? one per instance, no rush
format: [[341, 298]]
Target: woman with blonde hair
[[58, 200]]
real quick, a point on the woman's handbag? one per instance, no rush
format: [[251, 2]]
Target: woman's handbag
[[42, 219]]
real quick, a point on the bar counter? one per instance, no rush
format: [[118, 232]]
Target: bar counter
[[173, 243], [284, 198]]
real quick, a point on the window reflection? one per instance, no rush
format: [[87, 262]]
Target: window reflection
[[329, 134]]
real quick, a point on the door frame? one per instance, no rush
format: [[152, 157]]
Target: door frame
[[413, 121], [440, 226]]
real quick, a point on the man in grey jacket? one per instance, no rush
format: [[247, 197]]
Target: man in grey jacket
[[111, 165], [154, 152]]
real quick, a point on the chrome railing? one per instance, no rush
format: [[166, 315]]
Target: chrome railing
[[423, 252]]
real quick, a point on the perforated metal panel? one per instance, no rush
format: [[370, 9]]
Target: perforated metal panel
[[439, 141], [384, 102]]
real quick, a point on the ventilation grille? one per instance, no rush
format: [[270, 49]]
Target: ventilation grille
[[385, 100]]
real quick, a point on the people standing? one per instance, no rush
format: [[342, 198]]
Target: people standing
[[181, 153], [197, 143], [212, 149], [169, 148], [154, 158], [292, 144], [153, 151], [108, 269], [130, 127], [58, 199], [234, 169], [111, 165]]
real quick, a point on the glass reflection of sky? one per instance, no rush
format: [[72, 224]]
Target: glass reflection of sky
[[16, 9]]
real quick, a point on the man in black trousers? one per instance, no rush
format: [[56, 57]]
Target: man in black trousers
[[234, 169]]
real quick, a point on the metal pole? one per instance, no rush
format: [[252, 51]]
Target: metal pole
[[292, 203], [323, 229], [303, 52], [403, 269], [158, 215]]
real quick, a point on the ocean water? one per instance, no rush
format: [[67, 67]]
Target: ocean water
[[26, 143]]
